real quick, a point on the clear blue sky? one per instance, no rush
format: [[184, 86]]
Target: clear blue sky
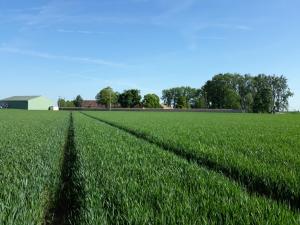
[[65, 48]]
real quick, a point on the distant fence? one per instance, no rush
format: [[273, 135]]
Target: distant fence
[[151, 110]]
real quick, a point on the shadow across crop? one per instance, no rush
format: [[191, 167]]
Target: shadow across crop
[[252, 183], [67, 205]]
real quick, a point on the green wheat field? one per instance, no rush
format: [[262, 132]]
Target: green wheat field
[[149, 168]]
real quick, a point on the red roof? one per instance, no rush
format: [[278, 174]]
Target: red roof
[[91, 104]]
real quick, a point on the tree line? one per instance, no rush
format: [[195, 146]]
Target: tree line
[[260, 94], [109, 98]]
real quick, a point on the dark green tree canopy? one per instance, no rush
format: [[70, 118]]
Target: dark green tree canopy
[[78, 101], [261, 93], [151, 101], [107, 97], [130, 98], [222, 92]]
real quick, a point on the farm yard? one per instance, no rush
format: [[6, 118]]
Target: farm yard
[[149, 168]]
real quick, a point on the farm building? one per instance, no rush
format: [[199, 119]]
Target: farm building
[[26, 102], [90, 104]]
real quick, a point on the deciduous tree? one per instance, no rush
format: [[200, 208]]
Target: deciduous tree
[[107, 97], [151, 101], [78, 101], [130, 98]]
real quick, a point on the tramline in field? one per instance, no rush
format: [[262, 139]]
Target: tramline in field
[[31, 151], [261, 152], [130, 181], [148, 168]]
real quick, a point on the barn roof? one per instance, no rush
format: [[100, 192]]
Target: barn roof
[[20, 98]]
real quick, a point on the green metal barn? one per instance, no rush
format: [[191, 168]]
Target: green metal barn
[[26, 102]]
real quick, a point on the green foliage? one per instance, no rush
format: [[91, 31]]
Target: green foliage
[[252, 149], [151, 101], [31, 152], [263, 97], [70, 104], [222, 93], [63, 103], [246, 91], [78, 101], [280, 93], [261, 94], [107, 97], [248, 102], [231, 99], [180, 97], [182, 103], [130, 181], [130, 98], [200, 103]]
